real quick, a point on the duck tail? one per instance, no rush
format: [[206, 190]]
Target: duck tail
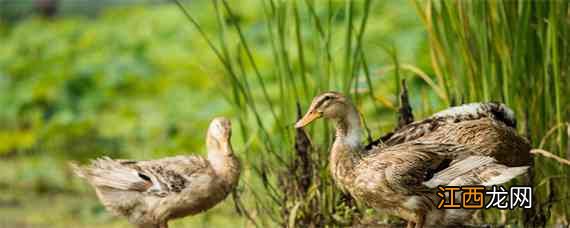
[[77, 170], [105, 172], [501, 113]]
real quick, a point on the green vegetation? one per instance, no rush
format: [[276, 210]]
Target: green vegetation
[[143, 82]]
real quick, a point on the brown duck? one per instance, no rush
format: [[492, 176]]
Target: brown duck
[[150, 193], [460, 146]]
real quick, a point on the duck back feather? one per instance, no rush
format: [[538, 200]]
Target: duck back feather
[[491, 111], [497, 111], [488, 126]]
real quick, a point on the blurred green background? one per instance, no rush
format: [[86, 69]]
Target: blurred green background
[[133, 79]]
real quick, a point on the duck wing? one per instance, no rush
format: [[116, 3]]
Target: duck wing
[[409, 165], [173, 174], [413, 168], [468, 112], [475, 170]]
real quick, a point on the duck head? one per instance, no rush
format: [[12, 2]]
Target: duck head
[[220, 128], [328, 105], [219, 134]]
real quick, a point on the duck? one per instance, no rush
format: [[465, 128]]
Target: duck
[[150, 193], [400, 176]]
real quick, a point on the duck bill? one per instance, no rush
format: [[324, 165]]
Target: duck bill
[[307, 119]]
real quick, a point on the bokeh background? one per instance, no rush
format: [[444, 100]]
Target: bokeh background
[[136, 79]]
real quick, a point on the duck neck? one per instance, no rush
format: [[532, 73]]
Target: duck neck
[[223, 161], [346, 148]]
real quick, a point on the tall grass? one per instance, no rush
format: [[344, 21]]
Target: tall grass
[[517, 52], [297, 188]]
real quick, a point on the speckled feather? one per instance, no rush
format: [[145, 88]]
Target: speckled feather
[[171, 174], [495, 112], [488, 126], [149, 193]]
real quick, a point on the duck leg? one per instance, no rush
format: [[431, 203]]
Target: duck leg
[[421, 221], [163, 225], [411, 224]]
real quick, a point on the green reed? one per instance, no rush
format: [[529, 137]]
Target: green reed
[[302, 64]]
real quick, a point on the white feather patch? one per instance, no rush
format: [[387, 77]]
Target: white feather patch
[[506, 175], [352, 139], [413, 203], [447, 175], [354, 135], [472, 108]]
